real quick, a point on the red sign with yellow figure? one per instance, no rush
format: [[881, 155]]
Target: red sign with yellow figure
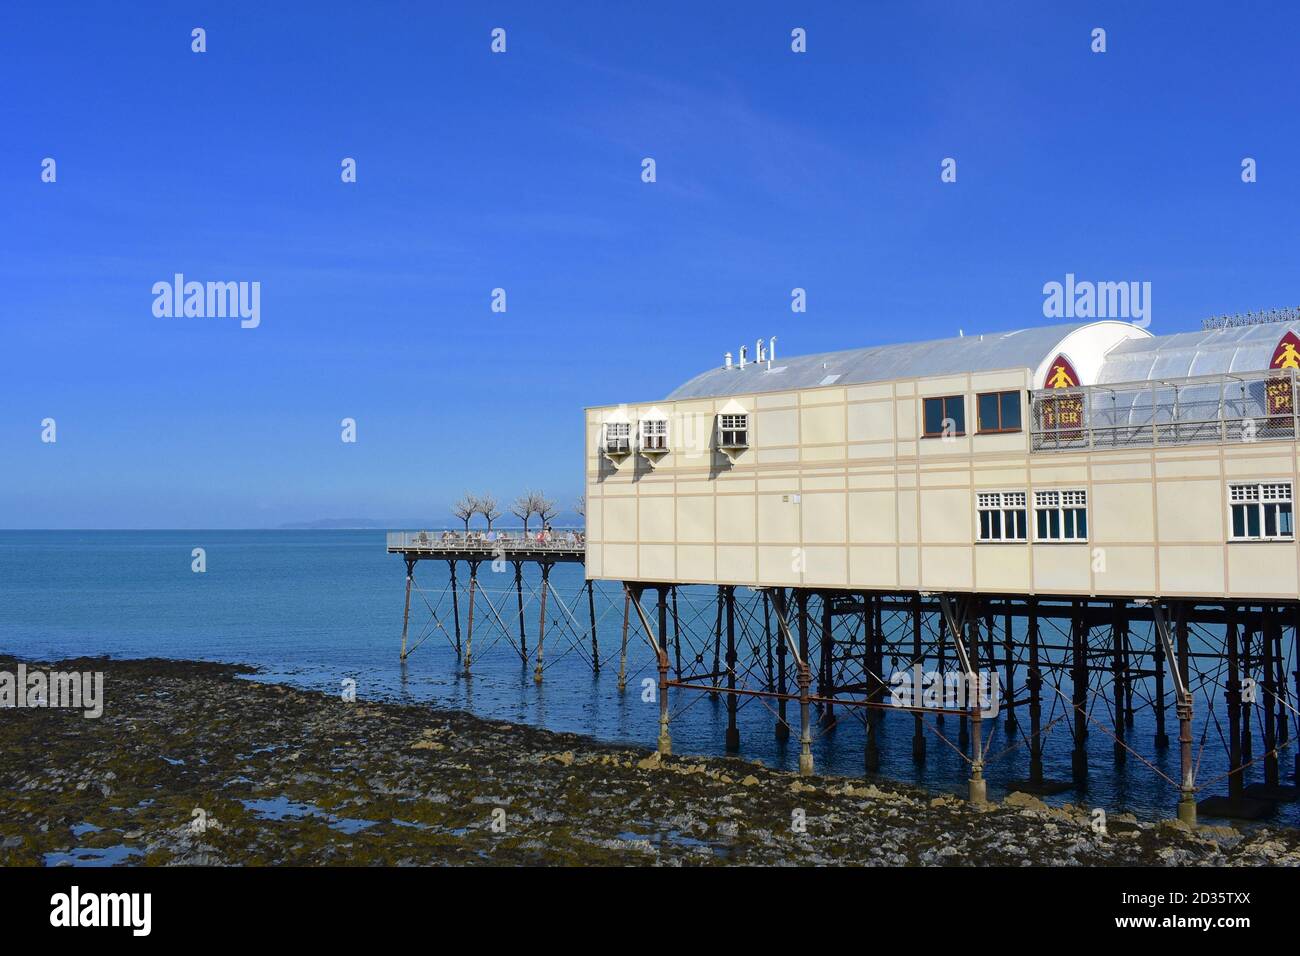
[[1063, 415], [1061, 374], [1278, 391]]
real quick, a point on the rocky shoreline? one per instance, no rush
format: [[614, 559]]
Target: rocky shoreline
[[192, 764]]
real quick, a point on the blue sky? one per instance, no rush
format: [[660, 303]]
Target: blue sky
[[522, 171]]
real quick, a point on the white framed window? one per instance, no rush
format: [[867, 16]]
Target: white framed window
[[654, 434], [1261, 511], [1002, 516], [1061, 515], [733, 430], [618, 439]]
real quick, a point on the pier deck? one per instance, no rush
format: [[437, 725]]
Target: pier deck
[[561, 547]]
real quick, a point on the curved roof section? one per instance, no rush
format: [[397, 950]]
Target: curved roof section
[[1189, 354], [1024, 348]]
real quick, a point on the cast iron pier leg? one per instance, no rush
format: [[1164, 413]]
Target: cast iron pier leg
[[918, 724], [733, 732], [406, 611], [541, 622]]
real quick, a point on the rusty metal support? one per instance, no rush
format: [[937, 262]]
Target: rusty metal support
[[826, 679], [659, 644], [1119, 673], [918, 725], [1270, 635], [1232, 698], [1079, 690], [804, 676], [873, 657], [677, 635], [519, 596], [767, 638], [591, 616], [1295, 660], [1246, 657], [1009, 688], [717, 642], [1180, 670], [406, 610], [958, 613], [622, 651], [469, 633], [782, 723], [1158, 702], [1034, 682], [455, 605], [733, 732], [541, 621]]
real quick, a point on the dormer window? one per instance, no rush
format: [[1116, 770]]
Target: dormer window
[[654, 436], [733, 431], [618, 439]]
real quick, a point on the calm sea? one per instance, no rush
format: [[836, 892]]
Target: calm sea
[[316, 608]]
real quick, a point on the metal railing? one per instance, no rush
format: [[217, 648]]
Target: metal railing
[[1233, 407], [479, 542]]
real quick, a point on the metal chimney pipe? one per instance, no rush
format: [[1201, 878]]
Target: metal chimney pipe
[[742, 356], [771, 349], [727, 358]]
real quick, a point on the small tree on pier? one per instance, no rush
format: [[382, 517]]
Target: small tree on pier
[[487, 507], [580, 506], [523, 508], [465, 508], [546, 510]]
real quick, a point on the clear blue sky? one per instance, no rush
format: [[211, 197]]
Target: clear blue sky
[[522, 171]]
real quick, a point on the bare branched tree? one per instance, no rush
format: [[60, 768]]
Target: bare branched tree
[[546, 509], [465, 508], [523, 508], [580, 506], [487, 507]]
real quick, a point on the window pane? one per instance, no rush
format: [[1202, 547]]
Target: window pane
[[1252, 521], [1284, 521], [1020, 523], [956, 408], [1083, 522], [933, 416], [988, 411], [1010, 409], [1238, 521], [1270, 521], [1054, 524], [985, 517], [1041, 519]]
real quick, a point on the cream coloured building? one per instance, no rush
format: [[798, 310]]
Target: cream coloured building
[[1083, 459]]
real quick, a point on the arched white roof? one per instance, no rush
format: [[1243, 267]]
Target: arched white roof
[[1189, 354], [1030, 348]]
